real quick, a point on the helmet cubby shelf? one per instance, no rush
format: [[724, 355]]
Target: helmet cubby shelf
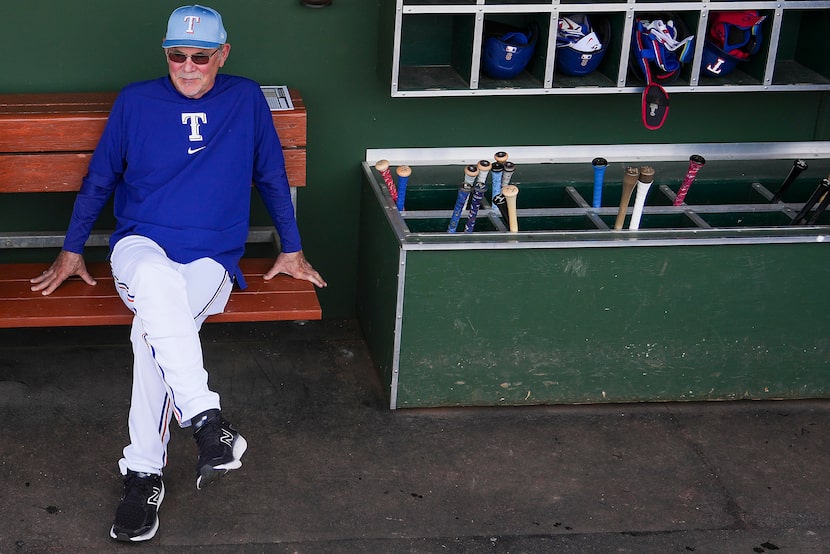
[[539, 47]]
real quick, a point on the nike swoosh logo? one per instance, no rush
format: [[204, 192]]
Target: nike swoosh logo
[[194, 150]]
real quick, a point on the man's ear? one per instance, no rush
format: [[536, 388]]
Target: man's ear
[[226, 50]]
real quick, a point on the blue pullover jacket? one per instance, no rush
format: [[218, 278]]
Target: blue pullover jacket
[[181, 170]]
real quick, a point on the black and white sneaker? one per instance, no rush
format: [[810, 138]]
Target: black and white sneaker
[[136, 518], [220, 447]]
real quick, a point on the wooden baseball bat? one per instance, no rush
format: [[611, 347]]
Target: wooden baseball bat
[[383, 167], [470, 173], [795, 171], [696, 161], [507, 174], [484, 167], [643, 185], [600, 165], [628, 184], [822, 206], [403, 171], [821, 189], [479, 189], [510, 192], [498, 173]]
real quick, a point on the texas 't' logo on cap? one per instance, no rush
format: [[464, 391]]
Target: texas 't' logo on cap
[[191, 20], [195, 27]]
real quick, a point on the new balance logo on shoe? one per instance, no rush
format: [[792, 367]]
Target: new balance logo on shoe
[[227, 438], [155, 497]]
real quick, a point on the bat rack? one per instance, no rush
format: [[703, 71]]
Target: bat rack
[[729, 200], [569, 310]]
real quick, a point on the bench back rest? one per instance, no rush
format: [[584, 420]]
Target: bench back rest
[[46, 140]]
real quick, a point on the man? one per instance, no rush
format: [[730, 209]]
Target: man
[[179, 153]]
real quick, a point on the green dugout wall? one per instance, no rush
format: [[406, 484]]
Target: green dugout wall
[[331, 55]]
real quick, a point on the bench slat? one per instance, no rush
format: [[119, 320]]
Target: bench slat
[[64, 172], [56, 102], [73, 122], [77, 304]]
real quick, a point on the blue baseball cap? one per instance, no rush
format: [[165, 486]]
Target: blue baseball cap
[[195, 27]]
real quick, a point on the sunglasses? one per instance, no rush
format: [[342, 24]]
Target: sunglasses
[[198, 59]]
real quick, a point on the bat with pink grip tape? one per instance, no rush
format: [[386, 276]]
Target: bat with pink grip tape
[[383, 167], [696, 161]]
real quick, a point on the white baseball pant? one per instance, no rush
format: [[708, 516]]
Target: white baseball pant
[[170, 301]]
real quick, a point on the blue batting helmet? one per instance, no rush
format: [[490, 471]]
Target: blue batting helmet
[[581, 43], [506, 56]]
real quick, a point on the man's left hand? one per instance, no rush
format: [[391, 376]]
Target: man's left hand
[[295, 265]]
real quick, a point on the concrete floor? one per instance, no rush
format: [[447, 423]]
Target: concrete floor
[[330, 470]]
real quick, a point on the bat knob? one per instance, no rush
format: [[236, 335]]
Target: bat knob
[[697, 158], [599, 162], [382, 165], [800, 165], [510, 191], [404, 171]]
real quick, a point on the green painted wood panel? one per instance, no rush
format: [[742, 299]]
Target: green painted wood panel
[[529, 326], [377, 293]]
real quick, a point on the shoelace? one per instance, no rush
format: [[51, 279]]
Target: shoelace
[[137, 489], [207, 438]]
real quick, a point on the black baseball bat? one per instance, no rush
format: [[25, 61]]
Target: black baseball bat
[[820, 209], [822, 188], [795, 171]]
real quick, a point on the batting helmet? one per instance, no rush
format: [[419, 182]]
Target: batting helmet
[[581, 43], [660, 45], [732, 37], [507, 55]]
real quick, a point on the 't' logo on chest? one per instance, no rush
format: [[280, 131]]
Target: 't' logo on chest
[[195, 120]]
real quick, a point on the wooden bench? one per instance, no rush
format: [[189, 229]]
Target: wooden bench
[[46, 142]]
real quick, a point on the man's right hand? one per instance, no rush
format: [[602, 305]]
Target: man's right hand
[[65, 266]]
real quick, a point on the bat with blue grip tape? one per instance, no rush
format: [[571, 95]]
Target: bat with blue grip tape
[[600, 165], [403, 171], [464, 189]]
